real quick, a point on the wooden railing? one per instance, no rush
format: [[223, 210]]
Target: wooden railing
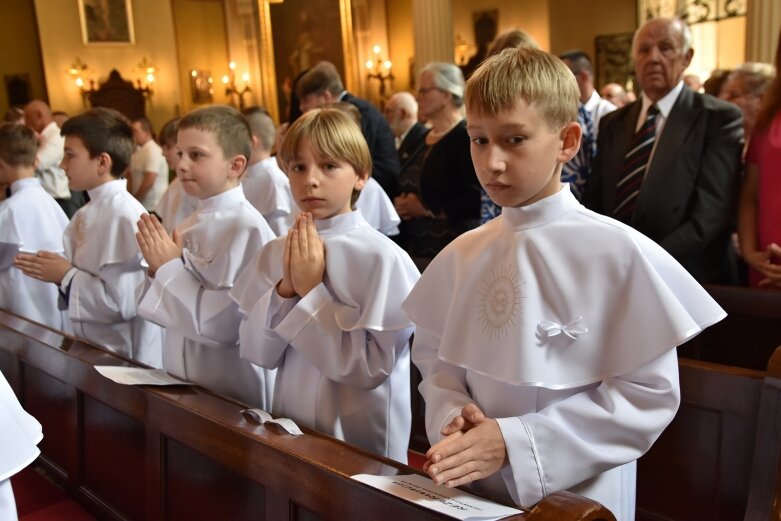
[[184, 453]]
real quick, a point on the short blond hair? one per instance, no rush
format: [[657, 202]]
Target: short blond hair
[[334, 135], [536, 77]]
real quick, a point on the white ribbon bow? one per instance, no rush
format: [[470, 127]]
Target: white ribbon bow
[[549, 328]]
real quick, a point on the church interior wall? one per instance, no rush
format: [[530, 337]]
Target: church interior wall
[[19, 52]]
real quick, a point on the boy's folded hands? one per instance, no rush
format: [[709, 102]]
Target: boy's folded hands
[[304, 260], [155, 244], [473, 448]]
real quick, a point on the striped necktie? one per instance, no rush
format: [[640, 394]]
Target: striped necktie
[[635, 167]]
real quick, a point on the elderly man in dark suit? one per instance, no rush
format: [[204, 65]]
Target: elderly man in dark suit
[[322, 85], [401, 111], [669, 164]]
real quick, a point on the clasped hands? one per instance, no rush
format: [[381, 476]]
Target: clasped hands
[[303, 264], [155, 244], [762, 261], [473, 448]]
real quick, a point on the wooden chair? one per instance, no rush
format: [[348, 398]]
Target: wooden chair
[[119, 94]]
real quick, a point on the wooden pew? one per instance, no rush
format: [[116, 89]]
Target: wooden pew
[[749, 334], [719, 459], [183, 453]]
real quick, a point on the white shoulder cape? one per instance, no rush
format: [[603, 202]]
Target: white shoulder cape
[[367, 273], [557, 296], [221, 238]]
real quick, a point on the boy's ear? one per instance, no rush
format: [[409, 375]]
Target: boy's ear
[[105, 163], [570, 137], [238, 165], [363, 178]]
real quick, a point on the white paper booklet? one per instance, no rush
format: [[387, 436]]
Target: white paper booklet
[[261, 416], [449, 501], [138, 376]]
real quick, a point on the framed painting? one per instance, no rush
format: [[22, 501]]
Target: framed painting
[[301, 33], [614, 59], [106, 22]]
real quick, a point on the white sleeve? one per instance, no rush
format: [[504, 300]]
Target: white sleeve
[[259, 343], [151, 162], [107, 298], [589, 432], [443, 385], [359, 358], [176, 300], [50, 153]]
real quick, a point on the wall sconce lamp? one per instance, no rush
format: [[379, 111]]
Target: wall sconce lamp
[[231, 90], [145, 70], [81, 75], [379, 69]]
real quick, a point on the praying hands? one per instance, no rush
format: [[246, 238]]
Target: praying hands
[[155, 244], [473, 448], [303, 265], [43, 265]]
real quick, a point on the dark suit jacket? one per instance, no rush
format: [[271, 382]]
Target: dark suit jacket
[[411, 143], [688, 198], [382, 144]]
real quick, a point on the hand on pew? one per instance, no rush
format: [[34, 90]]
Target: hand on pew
[[473, 448], [44, 265]]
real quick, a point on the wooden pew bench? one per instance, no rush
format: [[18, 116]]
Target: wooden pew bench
[[129, 452], [719, 459], [749, 334]]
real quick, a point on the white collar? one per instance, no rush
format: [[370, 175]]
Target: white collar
[[593, 100], [541, 212], [222, 200], [21, 184], [665, 105], [341, 223], [50, 129], [107, 189]]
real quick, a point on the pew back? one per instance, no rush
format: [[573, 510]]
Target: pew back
[[184, 453], [719, 458]]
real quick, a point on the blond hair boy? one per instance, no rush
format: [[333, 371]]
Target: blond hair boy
[[546, 337], [323, 305]]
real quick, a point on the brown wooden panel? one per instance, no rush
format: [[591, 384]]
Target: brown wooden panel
[[749, 334], [113, 448], [198, 488], [7, 363], [51, 402], [700, 466], [302, 514]]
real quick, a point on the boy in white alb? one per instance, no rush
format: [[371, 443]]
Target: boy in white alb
[[378, 209], [323, 305], [32, 220], [193, 271], [19, 436], [265, 185], [175, 205], [546, 338], [102, 267], [148, 174]]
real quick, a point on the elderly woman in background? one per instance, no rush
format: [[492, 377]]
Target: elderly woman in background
[[745, 86], [440, 193]]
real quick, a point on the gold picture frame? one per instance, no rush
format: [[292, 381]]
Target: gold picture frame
[[271, 48], [107, 22]]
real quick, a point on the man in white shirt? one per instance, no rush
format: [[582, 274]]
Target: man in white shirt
[[38, 116], [148, 177], [580, 65]]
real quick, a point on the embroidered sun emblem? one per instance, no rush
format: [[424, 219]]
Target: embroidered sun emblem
[[499, 302], [79, 232]]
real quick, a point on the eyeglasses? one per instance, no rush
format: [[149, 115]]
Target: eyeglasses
[[422, 91]]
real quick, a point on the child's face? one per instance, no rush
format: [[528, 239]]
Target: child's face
[[320, 185], [171, 155], [203, 169], [84, 172], [517, 156]]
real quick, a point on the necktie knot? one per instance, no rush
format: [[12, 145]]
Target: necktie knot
[[653, 111]]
